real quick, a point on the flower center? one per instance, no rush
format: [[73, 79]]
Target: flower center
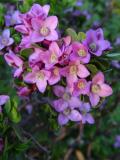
[[81, 85], [4, 41], [53, 58], [93, 47], [81, 52], [73, 70], [44, 31], [66, 96], [95, 88], [40, 76], [67, 111], [56, 72]]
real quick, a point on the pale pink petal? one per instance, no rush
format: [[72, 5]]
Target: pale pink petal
[[46, 9], [54, 79], [82, 71], [36, 24], [21, 29], [98, 78], [6, 33], [74, 102], [11, 41], [51, 22], [36, 37], [3, 99], [105, 90], [94, 99], [62, 119], [60, 105], [41, 84], [58, 90], [52, 36], [30, 78], [18, 72], [54, 48], [75, 116]]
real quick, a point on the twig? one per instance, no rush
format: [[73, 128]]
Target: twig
[[36, 142]]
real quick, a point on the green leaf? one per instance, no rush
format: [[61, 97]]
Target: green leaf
[[92, 68], [113, 56], [71, 32], [22, 146], [14, 115], [25, 53], [81, 36], [7, 106]]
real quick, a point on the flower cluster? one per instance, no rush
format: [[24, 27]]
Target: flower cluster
[[58, 63]]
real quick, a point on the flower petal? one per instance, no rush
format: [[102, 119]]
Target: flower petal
[[94, 99], [51, 22], [74, 102], [82, 71], [30, 78], [6, 33], [75, 116], [58, 90], [98, 78], [105, 90], [52, 36], [62, 119], [60, 105], [41, 84], [3, 99]]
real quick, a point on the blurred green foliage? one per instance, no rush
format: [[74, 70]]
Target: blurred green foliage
[[23, 141]]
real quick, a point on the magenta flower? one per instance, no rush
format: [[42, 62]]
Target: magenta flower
[[86, 116], [44, 29], [55, 76], [66, 50], [99, 89], [38, 11], [80, 52], [117, 141], [65, 97], [12, 19], [81, 87], [73, 71], [95, 42], [5, 39], [38, 77], [36, 57], [66, 105], [23, 91], [3, 99], [14, 61], [50, 58]]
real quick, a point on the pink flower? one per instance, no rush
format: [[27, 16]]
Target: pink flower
[[80, 52], [14, 61], [50, 58], [55, 76], [73, 71], [99, 89], [35, 57], [81, 87], [66, 50], [38, 77], [23, 91], [44, 29], [66, 105], [5, 39], [3, 99], [38, 11]]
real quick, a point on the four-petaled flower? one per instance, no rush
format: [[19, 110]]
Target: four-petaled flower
[[5, 39], [98, 89]]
